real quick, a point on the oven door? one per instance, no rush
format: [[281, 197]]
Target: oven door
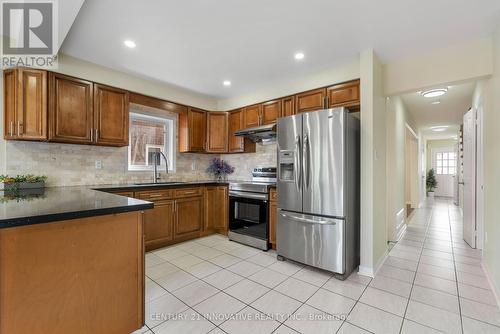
[[248, 214]]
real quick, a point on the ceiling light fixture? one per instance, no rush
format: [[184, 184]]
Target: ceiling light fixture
[[226, 83], [299, 56], [439, 128], [436, 102], [434, 92], [129, 44]]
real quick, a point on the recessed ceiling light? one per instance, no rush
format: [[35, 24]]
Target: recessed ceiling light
[[299, 56], [130, 44], [226, 83], [436, 102], [439, 128], [434, 92]]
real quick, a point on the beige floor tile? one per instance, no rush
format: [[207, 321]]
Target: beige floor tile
[[397, 273], [203, 269], [435, 298], [411, 327], [437, 271], [256, 322], [152, 290], [288, 268], [374, 319], [436, 283], [331, 303], [262, 259], [223, 279], [160, 270], [268, 278], [219, 307], [276, 305], [385, 301], [313, 276], [296, 289], [481, 312], [434, 317], [176, 280], [247, 291], [308, 320], [162, 309], [348, 328], [472, 326], [186, 322], [346, 288], [474, 280], [392, 285], [480, 295], [225, 260], [195, 292], [244, 268], [401, 263]]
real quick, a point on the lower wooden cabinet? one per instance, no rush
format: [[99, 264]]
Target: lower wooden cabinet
[[216, 210], [189, 215], [158, 224], [273, 217]]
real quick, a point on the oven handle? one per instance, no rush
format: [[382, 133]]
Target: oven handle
[[243, 194]]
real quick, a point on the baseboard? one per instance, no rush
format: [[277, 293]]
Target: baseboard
[[493, 286], [371, 272]]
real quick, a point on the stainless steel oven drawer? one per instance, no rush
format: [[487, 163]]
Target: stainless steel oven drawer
[[312, 240]]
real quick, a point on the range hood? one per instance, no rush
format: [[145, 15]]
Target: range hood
[[263, 133]]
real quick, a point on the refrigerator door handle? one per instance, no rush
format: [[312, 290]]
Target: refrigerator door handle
[[307, 162], [309, 221], [298, 167]]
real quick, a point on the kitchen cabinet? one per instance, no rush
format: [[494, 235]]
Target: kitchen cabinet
[[192, 130], [71, 114], [287, 106], [189, 215], [111, 115], [344, 95], [310, 100], [216, 209], [252, 115], [217, 132], [25, 104], [158, 224], [270, 112], [273, 216], [236, 121]]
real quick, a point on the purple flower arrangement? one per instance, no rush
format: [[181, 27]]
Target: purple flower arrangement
[[219, 168]]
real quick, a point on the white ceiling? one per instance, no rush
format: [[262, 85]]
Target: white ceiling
[[199, 43], [454, 104]]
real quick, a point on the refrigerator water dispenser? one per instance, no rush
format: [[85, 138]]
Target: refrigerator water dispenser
[[287, 166]]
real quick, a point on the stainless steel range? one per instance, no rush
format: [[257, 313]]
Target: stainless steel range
[[249, 208]]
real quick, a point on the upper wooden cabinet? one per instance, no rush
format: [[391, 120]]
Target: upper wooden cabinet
[[217, 135], [344, 95], [25, 104], [192, 130], [71, 112], [310, 100], [270, 112], [111, 115], [252, 115], [236, 121], [287, 106]]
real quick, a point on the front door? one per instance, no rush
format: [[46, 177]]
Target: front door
[[444, 162]]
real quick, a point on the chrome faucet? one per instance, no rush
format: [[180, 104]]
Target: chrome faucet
[[158, 156]]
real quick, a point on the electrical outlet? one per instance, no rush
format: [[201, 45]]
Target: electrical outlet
[[193, 165], [98, 164]]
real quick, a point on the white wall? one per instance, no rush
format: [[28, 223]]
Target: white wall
[[397, 119], [336, 74], [448, 65], [492, 168], [373, 165]]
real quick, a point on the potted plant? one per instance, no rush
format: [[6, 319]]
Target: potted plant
[[29, 181], [220, 169], [431, 182]]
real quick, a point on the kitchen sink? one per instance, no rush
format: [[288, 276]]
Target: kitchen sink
[[157, 183]]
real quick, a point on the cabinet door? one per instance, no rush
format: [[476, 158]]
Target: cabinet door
[[197, 123], [236, 122], [287, 106], [270, 111], [188, 217], [70, 110], [310, 100], [10, 105], [344, 95], [158, 224], [273, 214], [32, 105], [221, 209], [252, 116], [111, 117], [217, 132], [210, 209]]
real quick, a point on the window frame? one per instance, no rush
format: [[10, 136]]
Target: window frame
[[169, 139], [443, 164]]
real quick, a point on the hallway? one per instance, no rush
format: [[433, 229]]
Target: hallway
[[432, 265]]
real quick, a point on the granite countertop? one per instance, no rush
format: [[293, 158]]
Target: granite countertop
[[52, 204]]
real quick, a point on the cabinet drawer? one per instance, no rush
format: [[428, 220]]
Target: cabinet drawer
[[344, 94], [124, 193], [188, 192], [273, 195], [154, 195]]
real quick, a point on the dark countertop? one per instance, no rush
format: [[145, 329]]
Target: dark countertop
[[64, 203], [152, 186]]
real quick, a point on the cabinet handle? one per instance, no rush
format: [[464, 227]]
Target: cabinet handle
[[155, 195], [19, 128], [11, 130], [91, 135], [96, 135]]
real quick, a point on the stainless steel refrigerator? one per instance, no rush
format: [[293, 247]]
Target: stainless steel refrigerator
[[318, 190]]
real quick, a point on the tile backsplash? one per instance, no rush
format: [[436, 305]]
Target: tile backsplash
[[67, 164]]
